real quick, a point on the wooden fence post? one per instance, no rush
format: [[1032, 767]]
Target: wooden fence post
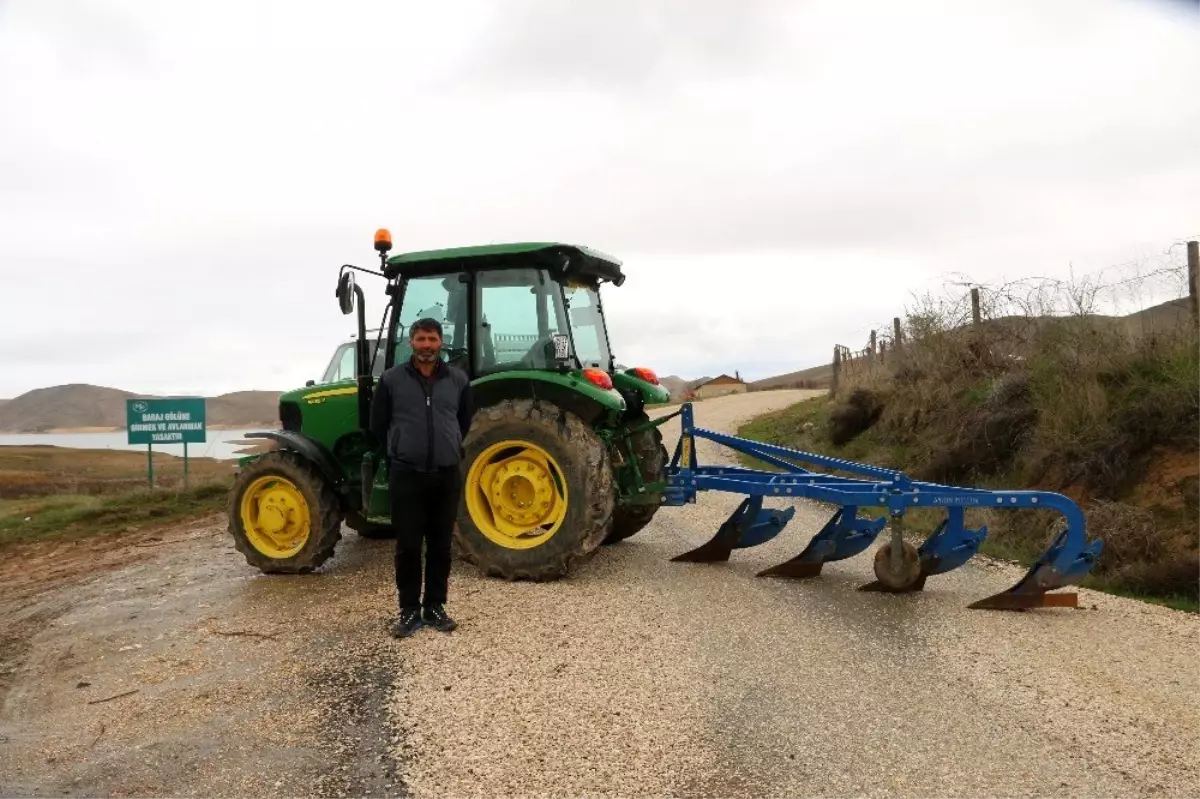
[[896, 332], [837, 367], [871, 353], [976, 345], [1193, 250]]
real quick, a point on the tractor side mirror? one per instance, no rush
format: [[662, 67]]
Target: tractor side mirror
[[345, 292]]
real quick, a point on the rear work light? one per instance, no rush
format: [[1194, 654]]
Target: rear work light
[[646, 374], [598, 377]]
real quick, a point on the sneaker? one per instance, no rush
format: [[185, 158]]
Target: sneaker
[[408, 623], [435, 616]]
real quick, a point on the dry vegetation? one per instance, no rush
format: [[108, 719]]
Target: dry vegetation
[[1102, 409], [65, 493]]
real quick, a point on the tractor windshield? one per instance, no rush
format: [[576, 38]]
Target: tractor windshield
[[520, 310], [587, 326], [517, 314]]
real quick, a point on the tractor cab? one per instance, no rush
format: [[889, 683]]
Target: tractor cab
[[508, 307]]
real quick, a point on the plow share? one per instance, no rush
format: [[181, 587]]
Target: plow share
[[899, 566]]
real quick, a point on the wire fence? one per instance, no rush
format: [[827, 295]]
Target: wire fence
[[1145, 298]]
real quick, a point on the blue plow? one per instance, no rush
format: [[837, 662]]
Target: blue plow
[[899, 566]]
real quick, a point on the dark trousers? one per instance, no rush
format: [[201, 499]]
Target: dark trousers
[[424, 505]]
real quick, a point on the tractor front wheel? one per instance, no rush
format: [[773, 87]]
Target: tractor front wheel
[[283, 516], [538, 491]]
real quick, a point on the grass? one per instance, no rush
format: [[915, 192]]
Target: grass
[[71, 516], [55, 493]]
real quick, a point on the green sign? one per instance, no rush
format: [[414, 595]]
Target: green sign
[[174, 420]]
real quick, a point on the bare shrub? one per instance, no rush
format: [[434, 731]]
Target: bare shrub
[[1174, 576], [853, 416], [1130, 533]]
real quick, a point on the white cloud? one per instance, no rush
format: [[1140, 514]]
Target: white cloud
[[190, 176]]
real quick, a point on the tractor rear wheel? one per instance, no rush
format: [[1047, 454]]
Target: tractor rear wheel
[[367, 528], [652, 463], [538, 491], [283, 516]]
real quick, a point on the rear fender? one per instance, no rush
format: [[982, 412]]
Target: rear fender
[[587, 401], [647, 393]]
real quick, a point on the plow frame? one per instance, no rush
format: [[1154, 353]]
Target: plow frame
[[899, 567]]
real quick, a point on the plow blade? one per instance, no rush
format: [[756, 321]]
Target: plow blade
[[843, 536], [1066, 562], [949, 546], [748, 526]]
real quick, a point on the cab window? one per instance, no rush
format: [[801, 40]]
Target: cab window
[[443, 298], [520, 311], [342, 365]]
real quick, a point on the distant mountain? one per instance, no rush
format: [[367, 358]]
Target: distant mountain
[[678, 386], [80, 406]]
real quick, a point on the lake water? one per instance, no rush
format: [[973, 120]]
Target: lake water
[[221, 444]]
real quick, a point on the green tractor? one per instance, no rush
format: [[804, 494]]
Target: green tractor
[[561, 456]]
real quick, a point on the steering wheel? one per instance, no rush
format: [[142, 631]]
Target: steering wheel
[[542, 350]]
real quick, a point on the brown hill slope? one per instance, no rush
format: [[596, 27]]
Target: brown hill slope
[[678, 386], [73, 405], [81, 406], [814, 377], [244, 408]]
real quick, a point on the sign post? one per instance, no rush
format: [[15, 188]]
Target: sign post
[[172, 420]]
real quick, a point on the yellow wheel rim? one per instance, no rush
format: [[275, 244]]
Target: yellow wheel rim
[[275, 516], [516, 494]]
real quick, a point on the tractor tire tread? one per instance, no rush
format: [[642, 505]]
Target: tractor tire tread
[[589, 474], [327, 517], [653, 459], [367, 528]]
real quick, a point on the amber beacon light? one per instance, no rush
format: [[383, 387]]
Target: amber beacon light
[[383, 240]]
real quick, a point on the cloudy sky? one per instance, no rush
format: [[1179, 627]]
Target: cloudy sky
[[180, 181]]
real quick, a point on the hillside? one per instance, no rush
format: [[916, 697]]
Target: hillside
[[1103, 409], [813, 377], [80, 406]]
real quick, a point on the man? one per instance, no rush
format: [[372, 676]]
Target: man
[[422, 410]]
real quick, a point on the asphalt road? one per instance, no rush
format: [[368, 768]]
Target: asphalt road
[[636, 677]]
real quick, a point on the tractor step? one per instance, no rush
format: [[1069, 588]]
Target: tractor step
[[899, 567]]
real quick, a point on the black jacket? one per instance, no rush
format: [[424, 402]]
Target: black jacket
[[422, 420]]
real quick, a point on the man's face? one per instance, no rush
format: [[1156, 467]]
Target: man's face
[[426, 345]]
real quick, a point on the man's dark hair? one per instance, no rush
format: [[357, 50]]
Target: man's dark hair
[[428, 324]]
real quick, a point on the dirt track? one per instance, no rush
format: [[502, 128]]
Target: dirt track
[[636, 677]]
